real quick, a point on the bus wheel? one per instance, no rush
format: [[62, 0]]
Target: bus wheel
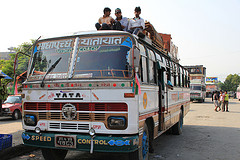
[[16, 115], [177, 128], [56, 154], [143, 152]]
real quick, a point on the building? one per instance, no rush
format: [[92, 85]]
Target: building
[[170, 47], [5, 55]]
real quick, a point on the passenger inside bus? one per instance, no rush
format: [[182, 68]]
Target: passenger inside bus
[[169, 83]]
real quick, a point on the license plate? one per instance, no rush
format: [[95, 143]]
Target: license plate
[[65, 141]]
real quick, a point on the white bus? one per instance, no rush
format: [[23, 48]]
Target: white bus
[[103, 91]]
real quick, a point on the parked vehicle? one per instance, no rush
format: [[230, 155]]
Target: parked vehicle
[[12, 106], [197, 82], [197, 92]]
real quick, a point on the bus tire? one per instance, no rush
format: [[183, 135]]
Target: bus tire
[[133, 155], [54, 154], [143, 151], [178, 127], [16, 115]]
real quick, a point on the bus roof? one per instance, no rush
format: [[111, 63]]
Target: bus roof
[[86, 33]]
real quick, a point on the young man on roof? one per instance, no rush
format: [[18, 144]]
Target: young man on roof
[[137, 23], [121, 22], [106, 21]]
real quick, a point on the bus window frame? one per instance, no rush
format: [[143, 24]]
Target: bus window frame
[[143, 54], [151, 58]]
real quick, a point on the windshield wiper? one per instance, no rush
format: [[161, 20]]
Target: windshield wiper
[[50, 69]]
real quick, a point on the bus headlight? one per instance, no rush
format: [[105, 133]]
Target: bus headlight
[[6, 110], [117, 122], [30, 120]]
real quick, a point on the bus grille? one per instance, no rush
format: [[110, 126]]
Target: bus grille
[[114, 107], [68, 126], [85, 111]]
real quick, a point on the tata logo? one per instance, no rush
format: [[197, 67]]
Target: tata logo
[[68, 96]]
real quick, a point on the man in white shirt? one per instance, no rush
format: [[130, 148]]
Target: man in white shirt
[[137, 23]]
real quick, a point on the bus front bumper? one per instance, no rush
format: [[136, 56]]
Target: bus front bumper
[[82, 142]]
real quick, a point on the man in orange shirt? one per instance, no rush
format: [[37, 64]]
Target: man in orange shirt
[[106, 21]]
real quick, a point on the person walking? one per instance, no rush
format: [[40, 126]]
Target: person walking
[[215, 100], [225, 102], [220, 102]]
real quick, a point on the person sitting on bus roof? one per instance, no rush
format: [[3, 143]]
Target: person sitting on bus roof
[[137, 23], [121, 22], [106, 21]]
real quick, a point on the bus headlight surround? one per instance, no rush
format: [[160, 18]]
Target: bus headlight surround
[[30, 120], [117, 122]]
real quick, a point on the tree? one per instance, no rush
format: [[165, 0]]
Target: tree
[[7, 66], [231, 83]]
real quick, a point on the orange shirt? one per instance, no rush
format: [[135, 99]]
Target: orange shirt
[[107, 20]]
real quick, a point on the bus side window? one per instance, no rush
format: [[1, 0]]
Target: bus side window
[[144, 70], [179, 76], [152, 72], [175, 79], [140, 71], [183, 81], [186, 81], [151, 63]]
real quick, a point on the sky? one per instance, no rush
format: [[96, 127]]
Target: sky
[[207, 32]]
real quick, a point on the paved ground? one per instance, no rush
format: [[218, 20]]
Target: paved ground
[[14, 127], [208, 135]]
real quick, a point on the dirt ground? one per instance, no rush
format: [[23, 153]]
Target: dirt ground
[[207, 135]]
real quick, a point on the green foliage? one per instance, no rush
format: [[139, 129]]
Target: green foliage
[[231, 83], [7, 66], [3, 89]]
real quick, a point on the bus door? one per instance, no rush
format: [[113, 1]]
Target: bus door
[[161, 97], [167, 96]]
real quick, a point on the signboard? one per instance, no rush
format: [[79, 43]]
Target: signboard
[[211, 79]]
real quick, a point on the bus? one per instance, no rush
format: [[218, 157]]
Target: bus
[[197, 82], [197, 92], [101, 91], [238, 93]]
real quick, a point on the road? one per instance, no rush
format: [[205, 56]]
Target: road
[[14, 127], [207, 135]]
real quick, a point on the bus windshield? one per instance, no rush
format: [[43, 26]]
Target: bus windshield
[[103, 62], [196, 88], [46, 53], [93, 57]]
